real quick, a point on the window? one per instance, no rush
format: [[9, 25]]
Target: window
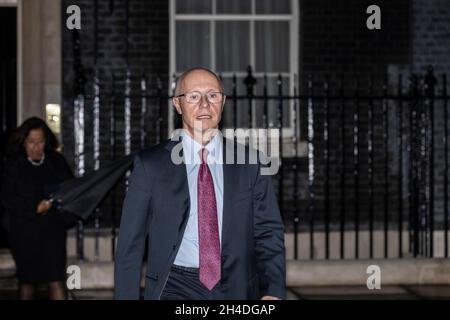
[[229, 35]]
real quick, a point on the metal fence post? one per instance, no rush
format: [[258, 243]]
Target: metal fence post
[[79, 128], [430, 82], [311, 172]]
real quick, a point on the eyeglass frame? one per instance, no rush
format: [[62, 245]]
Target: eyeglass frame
[[202, 94]]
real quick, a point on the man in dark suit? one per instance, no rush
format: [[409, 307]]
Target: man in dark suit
[[214, 228]]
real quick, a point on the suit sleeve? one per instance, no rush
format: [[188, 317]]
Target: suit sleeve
[[64, 173], [269, 238], [132, 234], [17, 202]]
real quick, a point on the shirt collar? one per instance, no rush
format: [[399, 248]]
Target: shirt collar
[[191, 149]]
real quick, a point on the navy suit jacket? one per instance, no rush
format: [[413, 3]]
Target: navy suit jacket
[[157, 205]]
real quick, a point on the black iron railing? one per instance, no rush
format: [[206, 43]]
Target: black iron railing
[[370, 165]]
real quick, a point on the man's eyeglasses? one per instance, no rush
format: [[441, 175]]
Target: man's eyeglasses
[[195, 96]]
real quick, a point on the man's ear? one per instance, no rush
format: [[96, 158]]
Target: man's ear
[[223, 103], [176, 104]]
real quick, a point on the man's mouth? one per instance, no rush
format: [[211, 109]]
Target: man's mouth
[[203, 117]]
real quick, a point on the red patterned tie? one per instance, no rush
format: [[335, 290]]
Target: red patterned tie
[[208, 229]]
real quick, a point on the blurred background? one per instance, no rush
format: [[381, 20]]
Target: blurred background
[[363, 117]]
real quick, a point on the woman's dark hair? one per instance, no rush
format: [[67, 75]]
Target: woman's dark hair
[[19, 135]]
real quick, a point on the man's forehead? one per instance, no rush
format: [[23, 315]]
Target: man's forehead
[[198, 77]]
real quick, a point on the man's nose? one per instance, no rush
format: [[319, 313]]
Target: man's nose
[[204, 101]]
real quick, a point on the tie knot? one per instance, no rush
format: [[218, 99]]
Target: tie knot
[[203, 154]]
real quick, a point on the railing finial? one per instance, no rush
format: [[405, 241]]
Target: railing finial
[[430, 81], [250, 81]]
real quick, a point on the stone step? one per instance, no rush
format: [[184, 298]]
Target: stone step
[[6, 261]]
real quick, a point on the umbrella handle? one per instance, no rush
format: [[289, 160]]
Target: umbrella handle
[[52, 199]]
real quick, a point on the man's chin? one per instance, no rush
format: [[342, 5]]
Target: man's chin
[[205, 134], [206, 125]]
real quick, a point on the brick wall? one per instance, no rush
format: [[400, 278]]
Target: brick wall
[[431, 35], [334, 41], [148, 54], [334, 38], [431, 47]]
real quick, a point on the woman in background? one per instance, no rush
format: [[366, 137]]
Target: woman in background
[[36, 231]]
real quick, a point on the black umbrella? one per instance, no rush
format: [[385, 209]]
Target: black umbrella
[[80, 196]]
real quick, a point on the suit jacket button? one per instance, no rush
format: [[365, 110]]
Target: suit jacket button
[[174, 247]]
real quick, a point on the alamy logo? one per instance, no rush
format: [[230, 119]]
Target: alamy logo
[[74, 278], [266, 141], [74, 20], [374, 280], [374, 20]]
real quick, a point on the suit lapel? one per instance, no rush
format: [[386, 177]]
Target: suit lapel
[[179, 187], [177, 178], [230, 172]]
